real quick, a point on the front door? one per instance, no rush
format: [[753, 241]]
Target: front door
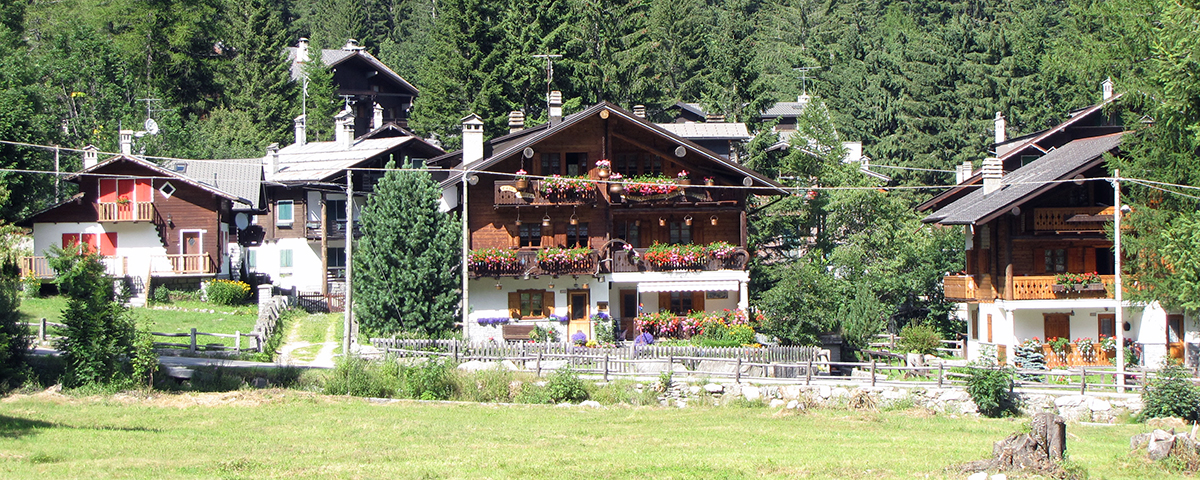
[[1057, 325], [191, 247], [629, 313], [1175, 337], [577, 312]]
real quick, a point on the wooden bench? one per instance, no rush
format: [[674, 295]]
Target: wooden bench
[[516, 332]]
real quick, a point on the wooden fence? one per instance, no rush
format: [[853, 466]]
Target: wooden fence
[[793, 354], [891, 341], [43, 327], [256, 341]]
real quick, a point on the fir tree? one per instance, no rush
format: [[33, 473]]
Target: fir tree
[[14, 341], [99, 332], [407, 265]]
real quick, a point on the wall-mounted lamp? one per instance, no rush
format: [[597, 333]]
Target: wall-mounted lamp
[[499, 287], [687, 220], [662, 222], [170, 221], [518, 218], [713, 219], [550, 286], [546, 220]]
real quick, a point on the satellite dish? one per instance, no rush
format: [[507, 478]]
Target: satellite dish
[[241, 220], [151, 126]]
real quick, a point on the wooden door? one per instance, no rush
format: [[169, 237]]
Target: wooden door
[[1175, 337], [577, 312], [191, 247], [628, 312], [1057, 325]]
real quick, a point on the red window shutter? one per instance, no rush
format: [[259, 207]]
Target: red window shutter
[[108, 190], [125, 189], [108, 244], [69, 239], [698, 301], [143, 190], [91, 240]]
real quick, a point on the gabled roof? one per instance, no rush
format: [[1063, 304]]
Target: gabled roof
[[318, 161], [165, 173], [786, 109], [509, 145], [1029, 181], [334, 57], [708, 131]]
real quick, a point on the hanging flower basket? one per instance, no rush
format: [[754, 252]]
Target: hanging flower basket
[[522, 183], [602, 168], [616, 187], [682, 178]]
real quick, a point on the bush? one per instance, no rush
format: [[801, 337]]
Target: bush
[[921, 339], [492, 385], [354, 376], [1171, 394], [99, 332], [991, 390], [432, 380], [162, 294], [565, 386], [533, 393], [227, 292], [717, 334]]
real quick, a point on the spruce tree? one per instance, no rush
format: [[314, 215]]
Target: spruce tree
[[99, 331], [407, 264], [13, 339]]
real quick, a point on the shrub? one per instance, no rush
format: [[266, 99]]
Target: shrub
[[1171, 394], [227, 292], [533, 393], [492, 385], [162, 294], [432, 380], [354, 376], [921, 339], [566, 386], [99, 331], [991, 390]]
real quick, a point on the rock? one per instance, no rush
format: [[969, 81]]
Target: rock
[[825, 391], [1098, 405], [694, 390], [651, 367], [564, 405], [752, 394], [1167, 423], [259, 382], [790, 391], [840, 392], [476, 366], [1159, 445], [591, 404], [998, 476], [776, 403], [713, 388], [792, 405], [978, 476], [954, 396], [1071, 401], [509, 365], [551, 365], [716, 366], [1138, 441], [894, 394]]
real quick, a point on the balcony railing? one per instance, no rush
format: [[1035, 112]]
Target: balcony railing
[[979, 288], [508, 195], [629, 261], [333, 231], [960, 287], [126, 212], [527, 264], [183, 264], [1042, 288], [39, 267], [1072, 218]]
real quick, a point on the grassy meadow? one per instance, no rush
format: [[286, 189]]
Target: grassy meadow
[[180, 320], [292, 434]]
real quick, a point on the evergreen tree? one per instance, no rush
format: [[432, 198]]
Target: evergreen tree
[[99, 331], [407, 265], [258, 77], [14, 341]]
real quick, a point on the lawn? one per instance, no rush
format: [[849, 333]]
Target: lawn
[[290, 434], [224, 320]]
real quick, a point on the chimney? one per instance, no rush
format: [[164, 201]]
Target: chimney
[[1107, 86], [639, 111], [1000, 126], [803, 99], [516, 121], [472, 139], [301, 130], [90, 156], [963, 172], [351, 45], [993, 173], [555, 107], [344, 129], [273, 158], [126, 142], [302, 51], [377, 118]]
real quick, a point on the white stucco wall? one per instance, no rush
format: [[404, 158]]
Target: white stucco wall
[[305, 274], [487, 302], [139, 242]]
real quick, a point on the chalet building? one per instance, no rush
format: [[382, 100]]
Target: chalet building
[[1041, 209], [299, 239], [568, 241], [152, 224], [377, 95]]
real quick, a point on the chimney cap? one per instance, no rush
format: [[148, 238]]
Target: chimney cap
[[556, 97], [351, 45], [472, 119]]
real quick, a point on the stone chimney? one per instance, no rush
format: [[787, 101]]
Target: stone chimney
[[302, 51], [273, 158], [993, 174], [126, 142], [301, 130], [472, 139], [90, 156], [344, 128], [555, 107], [516, 121], [963, 172], [1107, 86], [351, 45], [377, 117], [639, 111], [1000, 126]]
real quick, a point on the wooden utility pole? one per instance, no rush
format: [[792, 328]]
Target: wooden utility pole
[[347, 327]]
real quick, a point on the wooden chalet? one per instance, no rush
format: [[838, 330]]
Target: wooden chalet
[[569, 240], [377, 95]]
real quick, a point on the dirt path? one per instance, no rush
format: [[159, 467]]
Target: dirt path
[[293, 342]]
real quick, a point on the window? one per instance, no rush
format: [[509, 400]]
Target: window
[[336, 211], [626, 164], [251, 260], [551, 164], [681, 233], [577, 235], [1107, 325], [283, 210], [628, 231], [655, 165], [1056, 260], [336, 257], [531, 234], [630, 164], [681, 303], [285, 259], [531, 303], [576, 163]]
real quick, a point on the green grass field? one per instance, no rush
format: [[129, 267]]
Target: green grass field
[[289, 434], [225, 320]]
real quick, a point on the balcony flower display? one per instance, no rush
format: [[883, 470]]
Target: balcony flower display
[[602, 168], [722, 250], [665, 324], [615, 187], [493, 260], [1077, 281], [1108, 344], [677, 257], [648, 185], [522, 181], [564, 259], [682, 178], [494, 322], [710, 181], [561, 187]]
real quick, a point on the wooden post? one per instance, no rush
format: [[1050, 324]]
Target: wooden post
[[872, 372], [42, 331], [539, 365], [737, 373], [1082, 380], [941, 373], [237, 341], [808, 373], [192, 348], [605, 367], [454, 348]]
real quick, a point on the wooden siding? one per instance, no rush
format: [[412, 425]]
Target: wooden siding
[[269, 221]]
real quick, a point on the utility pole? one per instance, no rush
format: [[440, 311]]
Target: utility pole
[[347, 327], [549, 77], [1119, 322], [466, 249]]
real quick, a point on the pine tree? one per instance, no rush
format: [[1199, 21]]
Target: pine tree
[[14, 341], [407, 265], [99, 332]]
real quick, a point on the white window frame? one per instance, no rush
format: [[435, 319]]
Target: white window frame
[[191, 230], [291, 210]]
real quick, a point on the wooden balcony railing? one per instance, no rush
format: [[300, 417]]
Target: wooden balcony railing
[[527, 264], [37, 267], [183, 264], [1072, 218], [629, 261], [508, 195], [979, 288], [1042, 288], [333, 231], [1074, 357], [960, 288], [126, 212]]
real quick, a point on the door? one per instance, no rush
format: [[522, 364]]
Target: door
[[577, 312], [629, 312], [1175, 337], [1057, 325], [191, 246]]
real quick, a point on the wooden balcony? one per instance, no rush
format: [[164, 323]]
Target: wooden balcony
[[1072, 219], [527, 264], [126, 212], [979, 288], [333, 231], [630, 261], [507, 195], [960, 288], [1042, 288], [196, 264]]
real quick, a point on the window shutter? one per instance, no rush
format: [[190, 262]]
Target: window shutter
[[108, 244], [698, 301], [664, 301], [1039, 258], [1089, 259], [514, 305], [1075, 259], [548, 302]]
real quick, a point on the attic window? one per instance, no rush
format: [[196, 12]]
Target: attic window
[[181, 167], [167, 190]]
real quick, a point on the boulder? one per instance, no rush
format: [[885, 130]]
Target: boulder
[[509, 365], [978, 476], [590, 404], [1071, 401], [792, 405], [694, 390], [1098, 405], [476, 366], [825, 391], [259, 382], [1167, 423], [840, 392], [776, 403], [751, 393], [954, 396], [713, 388], [1159, 444], [998, 476]]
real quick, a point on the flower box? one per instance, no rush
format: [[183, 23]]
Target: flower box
[[565, 260], [677, 257], [494, 261]]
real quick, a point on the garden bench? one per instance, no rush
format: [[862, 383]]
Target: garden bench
[[516, 332]]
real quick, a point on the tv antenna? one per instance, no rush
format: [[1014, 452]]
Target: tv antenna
[[151, 126], [549, 76], [804, 78]]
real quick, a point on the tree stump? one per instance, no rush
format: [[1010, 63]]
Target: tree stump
[[1040, 450]]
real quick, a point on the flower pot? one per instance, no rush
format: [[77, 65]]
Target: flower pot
[[602, 173], [1077, 287], [1058, 288], [1095, 287], [522, 184], [710, 183], [616, 188], [683, 181]]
